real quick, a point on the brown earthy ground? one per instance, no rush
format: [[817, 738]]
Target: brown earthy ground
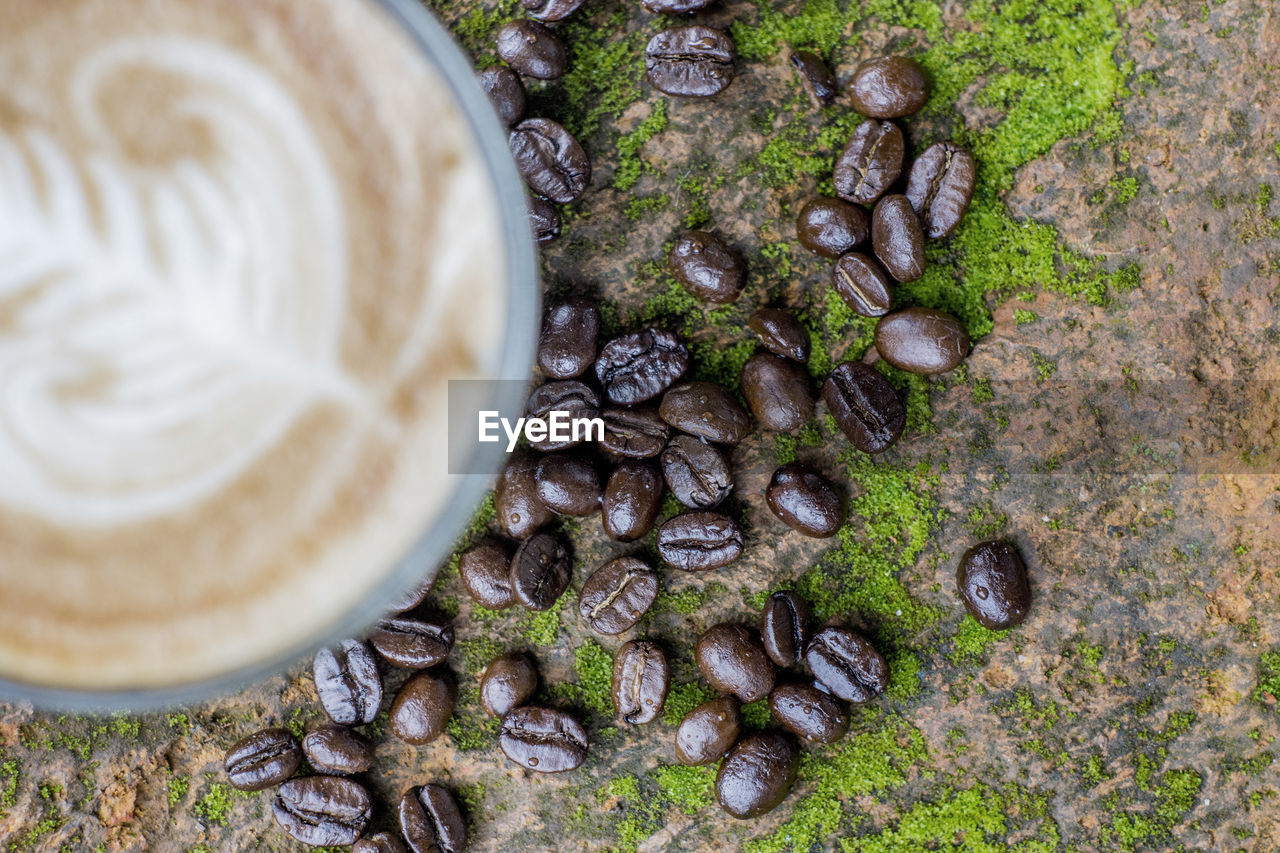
[[1129, 448]]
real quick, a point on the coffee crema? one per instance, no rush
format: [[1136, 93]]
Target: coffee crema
[[243, 247]]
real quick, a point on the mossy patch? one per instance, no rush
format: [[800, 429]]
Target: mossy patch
[[594, 667], [1268, 689], [683, 698], [217, 802], [688, 788], [970, 642]]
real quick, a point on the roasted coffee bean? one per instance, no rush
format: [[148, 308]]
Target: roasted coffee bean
[[617, 594], [634, 433], [866, 407], [781, 333], [922, 340], [540, 571], [806, 501], [675, 7], [532, 49], [338, 751], [640, 681], [993, 585], [412, 643], [863, 285], [809, 713], [410, 598], [550, 159], [815, 77], [632, 500], [940, 187], [708, 731], [699, 541], [520, 512], [544, 219], [551, 10], [691, 61], [567, 345], [846, 665], [832, 226], [422, 708], [568, 484], [732, 660], [889, 87], [567, 396], [382, 842], [706, 265], [431, 821], [262, 759], [322, 811], [777, 392], [706, 410], [696, 473], [486, 573], [784, 626], [543, 739], [640, 366], [870, 162], [505, 91], [508, 682], [897, 239], [348, 683], [757, 774]]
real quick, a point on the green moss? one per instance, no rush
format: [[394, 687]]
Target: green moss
[[756, 715], [629, 145], [686, 602], [638, 207], [819, 25], [602, 75], [51, 819], [9, 774], [1174, 797], [970, 642], [1023, 317], [475, 28], [215, 805], [1093, 772], [472, 732], [683, 698], [175, 789], [594, 666], [297, 719], [637, 814], [1268, 689], [542, 628], [687, 788]]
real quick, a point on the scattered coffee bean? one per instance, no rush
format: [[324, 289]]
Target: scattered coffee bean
[[410, 598], [757, 774], [674, 7], [617, 594], [338, 751], [897, 239], [889, 87], [568, 484], [486, 573], [706, 410], [543, 739], [570, 396], [431, 821], [732, 660], [870, 162], [846, 665], [550, 159], [640, 681], [863, 285], [640, 366], [505, 91], [777, 392], [696, 473], [832, 226], [815, 77], [865, 406], [940, 187], [412, 643], [508, 682], [551, 10], [634, 433], [520, 512], [805, 501], [708, 731], [382, 842], [809, 713], [567, 345], [322, 811], [699, 541], [922, 340], [784, 625], [706, 265], [544, 219], [781, 333], [262, 759], [692, 61], [348, 683], [422, 708], [993, 585], [532, 49], [632, 500], [540, 571]]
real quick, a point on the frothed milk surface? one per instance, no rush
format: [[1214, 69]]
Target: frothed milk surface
[[243, 246]]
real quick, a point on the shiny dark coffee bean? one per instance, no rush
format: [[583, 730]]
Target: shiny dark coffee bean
[[640, 366], [846, 665], [777, 392], [640, 681], [322, 811], [382, 842], [805, 501], [706, 410], [940, 187], [674, 7], [634, 433], [617, 594], [520, 512], [922, 340], [505, 92], [870, 162], [486, 573], [732, 660], [508, 682], [815, 77], [262, 759], [348, 683], [412, 643], [784, 627], [832, 226], [993, 585], [757, 774], [699, 541], [696, 473], [781, 333], [889, 87], [897, 239], [568, 484], [544, 219], [632, 500], [543, 739], [550, 159], [551, 10], [690, 61], [708, 731], [431, 821], [809, 713], [422, 708], [574, 400], [532, 49], [865, 406], [863, 284], [540, 571], [706, 265], [567, 345], [410, 598], [338, 751]]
